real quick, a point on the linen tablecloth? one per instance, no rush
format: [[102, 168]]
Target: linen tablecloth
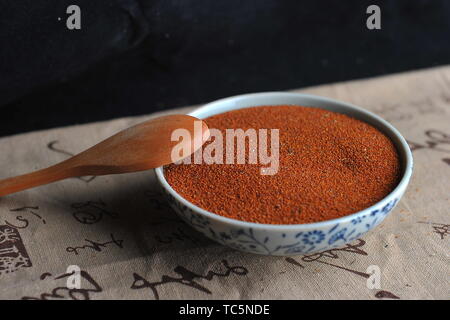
[[119, 235]]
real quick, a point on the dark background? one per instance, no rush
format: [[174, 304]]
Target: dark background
[[137, 57]]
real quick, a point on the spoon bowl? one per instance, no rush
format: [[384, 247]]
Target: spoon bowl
[[144, 146]]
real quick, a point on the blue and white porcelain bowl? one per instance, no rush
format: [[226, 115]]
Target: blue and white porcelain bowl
[[296, 239]]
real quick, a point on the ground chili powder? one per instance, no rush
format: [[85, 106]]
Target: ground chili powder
[[331, 165]]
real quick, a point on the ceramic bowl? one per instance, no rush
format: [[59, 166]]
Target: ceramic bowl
[[295, 239]]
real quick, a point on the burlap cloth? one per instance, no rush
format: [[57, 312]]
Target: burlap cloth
[[128, 244]]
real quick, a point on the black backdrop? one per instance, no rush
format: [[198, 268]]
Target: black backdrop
[[134, 56]]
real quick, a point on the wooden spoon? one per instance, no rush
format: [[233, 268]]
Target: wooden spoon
[[144, 146]]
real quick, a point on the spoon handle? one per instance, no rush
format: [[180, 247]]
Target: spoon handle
[[54, 173]]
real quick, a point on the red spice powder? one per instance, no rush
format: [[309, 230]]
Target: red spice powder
[[331, 165]]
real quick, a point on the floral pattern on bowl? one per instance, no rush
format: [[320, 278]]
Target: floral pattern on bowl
[[283, 242]]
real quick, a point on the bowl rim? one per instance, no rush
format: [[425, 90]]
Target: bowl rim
[[397, 191]]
